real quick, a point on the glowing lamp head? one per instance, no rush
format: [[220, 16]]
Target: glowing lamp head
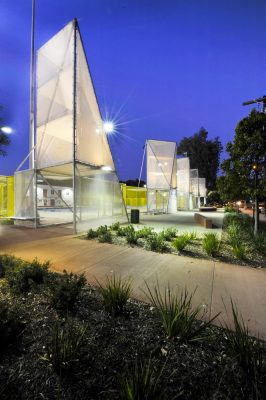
[[6, 129], [106, 168], [109, 127]]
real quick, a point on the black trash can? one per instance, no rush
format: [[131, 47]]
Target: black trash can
[[134, 217]]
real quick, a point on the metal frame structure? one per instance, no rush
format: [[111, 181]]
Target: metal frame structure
[[72, 151]]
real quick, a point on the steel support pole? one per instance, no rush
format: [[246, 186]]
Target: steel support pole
[[74, 127]]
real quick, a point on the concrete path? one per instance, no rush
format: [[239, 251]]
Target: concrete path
[[216, 282]]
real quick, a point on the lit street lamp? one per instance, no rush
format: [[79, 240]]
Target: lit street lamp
[[7, 130]]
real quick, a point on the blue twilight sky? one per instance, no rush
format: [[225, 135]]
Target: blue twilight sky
[[174, 65]]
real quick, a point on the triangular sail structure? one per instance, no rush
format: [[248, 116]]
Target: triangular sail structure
[[161, 177], [75, 177]]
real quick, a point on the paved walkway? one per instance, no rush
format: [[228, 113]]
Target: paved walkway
[[215, 282]]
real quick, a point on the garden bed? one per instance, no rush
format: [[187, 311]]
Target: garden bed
[[112, 348], [242, 248]]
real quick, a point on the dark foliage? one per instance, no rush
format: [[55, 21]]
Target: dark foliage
[[204, 155], [26, 276], [65, 290]]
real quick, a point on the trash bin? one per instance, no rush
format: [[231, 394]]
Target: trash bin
[[134, 217]]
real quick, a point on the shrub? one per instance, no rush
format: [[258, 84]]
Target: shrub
[[239, 251], [142, 381], [131, 235], [230, 209], [116, 293], [115, 226], [210, 244], [124, 231], [168, 234], [66, 290], [11, 324], [92, 234], [243, 220], [259, 242], [145, 232], [177, 315], [26, 276], [65, 345], [105, 237], [247, 350], [102, 230], [181, 242], [156, 243], [8, 263]]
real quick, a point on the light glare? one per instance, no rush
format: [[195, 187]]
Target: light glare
[[109, 127], [106, 168], [6, 129]]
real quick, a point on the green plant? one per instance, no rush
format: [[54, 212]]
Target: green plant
[[247, 350], [65, 290], [65, 345], [122, 231], [131, 235], [115, 293], [210, 244], [142, 382], [102, 230], [233, 233], [177, 315], [156, 243], [105, 237], [168, 234], [145, 232], [6, 221], [259, 242], [9, 263], [239, 251], [12, 324], [92, 234], [115, 226], [26, 276], [181, 242], [191, 236], [230, 209]]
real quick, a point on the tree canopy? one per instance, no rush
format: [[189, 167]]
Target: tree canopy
[[204, 155], [244, 170]]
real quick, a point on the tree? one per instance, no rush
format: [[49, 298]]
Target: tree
[[204, 155], [244, 170], [4, 140], [213, 197]]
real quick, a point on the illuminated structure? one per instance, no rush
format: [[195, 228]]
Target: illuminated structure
[[171, 184], [74, 177], [6, 196]]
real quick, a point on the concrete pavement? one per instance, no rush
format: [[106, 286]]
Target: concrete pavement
[[216, 282]]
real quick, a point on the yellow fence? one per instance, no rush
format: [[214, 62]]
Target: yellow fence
[[134, 196], [6, 196]]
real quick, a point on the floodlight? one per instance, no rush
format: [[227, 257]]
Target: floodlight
[[7, 129], [109, 127]]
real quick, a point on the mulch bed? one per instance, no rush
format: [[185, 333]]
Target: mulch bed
[[200, 370]]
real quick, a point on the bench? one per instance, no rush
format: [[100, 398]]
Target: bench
[[202, 220]]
